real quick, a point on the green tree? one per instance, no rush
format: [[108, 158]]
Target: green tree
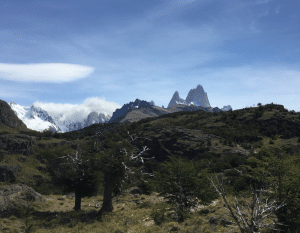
[[285, 170], [75, 174], [178, 182], [114, 165]]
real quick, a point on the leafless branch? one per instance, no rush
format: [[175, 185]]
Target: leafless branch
[[258, 212]]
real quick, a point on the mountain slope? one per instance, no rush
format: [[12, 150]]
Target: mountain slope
[[9, 120]]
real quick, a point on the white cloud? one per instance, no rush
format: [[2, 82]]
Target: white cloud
[[44, 72], [78, 112]]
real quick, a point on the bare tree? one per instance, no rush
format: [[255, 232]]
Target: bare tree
[[258, 212]]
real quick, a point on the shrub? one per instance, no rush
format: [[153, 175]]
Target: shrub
[[146, 188], [158, 216]]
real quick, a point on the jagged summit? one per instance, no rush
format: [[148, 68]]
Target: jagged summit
[[196, 96], [176, 100], [126, 107]]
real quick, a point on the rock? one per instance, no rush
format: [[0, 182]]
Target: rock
[[126, 107], [198, 97], [17, 144], [176, 100], [15, 196], [8, 172], [71, 195]]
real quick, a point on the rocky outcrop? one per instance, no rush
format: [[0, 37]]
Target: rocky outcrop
[[126, 107], [176, 100], [9, 118], [196, 96], [16, 196], [8, 172], [17, 144]]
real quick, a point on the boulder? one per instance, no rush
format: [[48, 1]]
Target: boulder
[[17, 144], [8, 172], [15, 196]]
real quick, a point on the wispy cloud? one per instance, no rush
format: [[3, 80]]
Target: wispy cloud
[[44, 72]]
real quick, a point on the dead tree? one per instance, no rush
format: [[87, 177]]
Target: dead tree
[[258, 212]]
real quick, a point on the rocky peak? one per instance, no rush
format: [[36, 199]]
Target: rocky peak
[[198, 97], [127, 107], [176, 100]]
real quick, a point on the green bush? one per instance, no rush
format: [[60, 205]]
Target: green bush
[[158, 215], [147, 188]]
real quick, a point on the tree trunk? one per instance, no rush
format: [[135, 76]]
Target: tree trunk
[[107, 196], [77, 198]]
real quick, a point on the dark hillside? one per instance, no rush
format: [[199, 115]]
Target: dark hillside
[[9, 120]]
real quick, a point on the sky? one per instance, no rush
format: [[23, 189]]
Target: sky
[[96, 55]]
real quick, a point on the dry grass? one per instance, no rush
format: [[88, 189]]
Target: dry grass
[[57, 215]]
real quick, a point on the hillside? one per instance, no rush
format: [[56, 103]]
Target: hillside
[[9, 122], [220, 143]]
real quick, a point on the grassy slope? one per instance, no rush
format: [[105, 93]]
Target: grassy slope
[[129, 216]]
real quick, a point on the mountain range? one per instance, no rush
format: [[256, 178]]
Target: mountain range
[[38, 119]]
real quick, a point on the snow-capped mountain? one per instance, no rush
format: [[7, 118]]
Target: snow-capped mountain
[[33, 117], [36, 118]]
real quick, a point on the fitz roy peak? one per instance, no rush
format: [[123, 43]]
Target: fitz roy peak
[[196, 96]]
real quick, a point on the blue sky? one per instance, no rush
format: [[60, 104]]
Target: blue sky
[[98, 55]]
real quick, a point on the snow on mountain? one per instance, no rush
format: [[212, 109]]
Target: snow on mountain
[[33, 117], [226, 108], [36, 118], [196, 96]]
